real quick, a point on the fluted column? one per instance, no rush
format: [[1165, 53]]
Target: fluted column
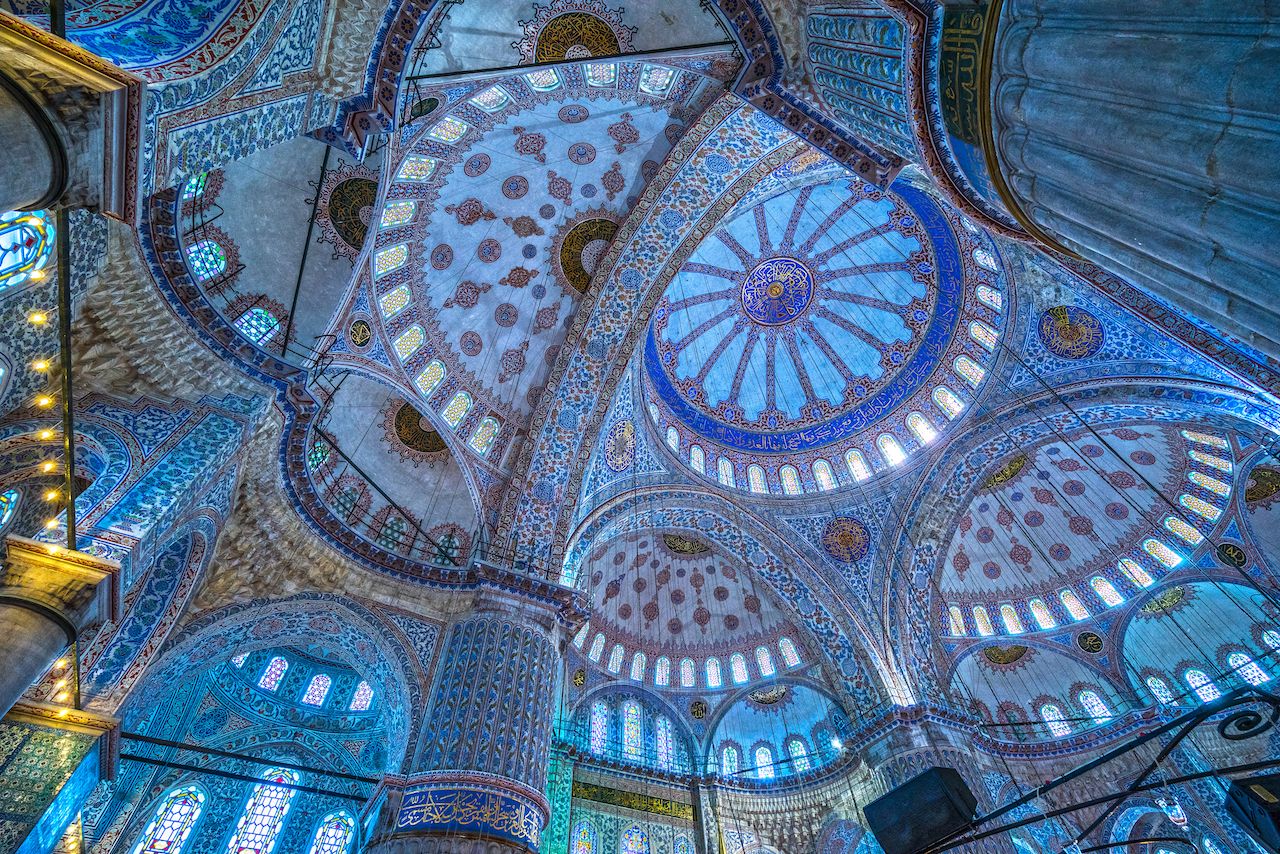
[[1143, 136], [47, 595]]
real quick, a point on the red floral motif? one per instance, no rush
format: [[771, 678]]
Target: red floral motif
[[513, 362], [528, 142], [623, 133], [560, 187], [546, 318], [612, 181], [467, 294], [470, 212], [518, 277], [524, 226]]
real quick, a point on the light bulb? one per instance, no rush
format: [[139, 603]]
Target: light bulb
[[39, 318], [44, 401], [48, 466], [51, 495], [45, 434], [51, 524], [40, 364]]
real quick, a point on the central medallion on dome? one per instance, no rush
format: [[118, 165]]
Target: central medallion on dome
[[777, 291]]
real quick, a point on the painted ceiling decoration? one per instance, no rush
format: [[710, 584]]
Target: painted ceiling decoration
[[345, 203], [573, 29]]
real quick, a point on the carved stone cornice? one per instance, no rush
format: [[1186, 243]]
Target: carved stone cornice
[[81, 588]]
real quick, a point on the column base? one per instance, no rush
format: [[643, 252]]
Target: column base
[[459, 812]]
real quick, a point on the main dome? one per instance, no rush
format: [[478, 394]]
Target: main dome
[[818, 322]]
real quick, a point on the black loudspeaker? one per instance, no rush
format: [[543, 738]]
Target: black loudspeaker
[[921, 811], [1255, 803]]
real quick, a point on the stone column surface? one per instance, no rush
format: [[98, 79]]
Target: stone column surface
[[47, 595], [479, 775], [1143, 136], [27, 169]]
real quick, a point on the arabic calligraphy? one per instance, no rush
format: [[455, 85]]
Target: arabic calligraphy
[[458, 809]]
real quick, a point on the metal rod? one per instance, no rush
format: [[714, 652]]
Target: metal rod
[[524, 69], [213, 751], [306, 249], [58, 18], [231, 775], [63, 239]]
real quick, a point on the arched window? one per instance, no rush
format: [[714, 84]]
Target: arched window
[[270, 679], [738, 668], [1072, 603], [1202, 685], [764, 763], [26, 245], [1212, 484], [391, 258], [584, 838], [1012, 622], [890, 449], [790, 478], [921, 428], [1161, 552], [396, 214], [799, 755], [362, 699], [728, 761], [1205, 439], [599, 727], [416, 168], [698, 459], [168, 831], [431, 377], [481, 440], [1271, 638], [1199, 506], [632, 732], [615, 658], [1210, 460], [240, 659], [857, 464], [317, 690], [257, 324], [983, 334], [1043, 616], [206, 259], [991, 297], [686, 673], [318, 455], [824, 475], [673, 439], [634, 841], [1052, 715], [597, 648], [955, 619], [581, 637], [457, 409], [662, 672], [1094, 705], [8, 504], [1209, 847], [724, 469], [1247, 669], [1106, 591], [392, 534], [755, 479], [970, 371], [982, 621], [394, 300], [764, 661], [663, 744], [1134, 572], [656, 79], [334, 834], [637, 667], [714, 679], [947, 400], [985, 259], [543, 80], [1184, 531], [790, 655], [1160, 690], [263, 817]]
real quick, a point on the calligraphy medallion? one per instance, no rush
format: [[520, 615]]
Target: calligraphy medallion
[[777, 291]]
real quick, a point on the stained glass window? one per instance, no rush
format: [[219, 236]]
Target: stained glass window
[[491, 99], [1095, 707], [1210, 483], [728, 761], [543, 80], [240, 659], [983, 334], [698, 459], [1012, 622], [823, 475], [345, 503], [390, 259], [956, 621], [790, 655], [263, 817], [168, 831], [664, 744], [1106, 591], [1160, 690], [790, 480], [584, 838], [656, 79], [398, 213], [948, 401], [634, 841], [270, 679], [257, 324], [334, 834], [448, 130], [764, 763], [764, 661], [970, 370], [1271, 638], [599, 727], [686, 673], [486, 431], [206, 259], [1135, 573], [714, 678], [457, 409], [637, 666], [890, 449], [1210, 847], [581, 637], [362, 699], [1162, 553], [394, 301], [1200, 506], [416, 168], [318, 455], [662, 672], [1052, 715], [1247, 669], [1210, 460], [632, 730], [602, 74], [1075, 608], [738, 668], [409, 341], [597, 648], [615, 658], [431, 377], [799, 755], [1183, 530], [317, 690], [673, 439], [724, 470], [1202, 685], [857, 464], [392, 533], [982, 621], [194, 186], [921, 428], [755, 479], [1205, 439], [8, 504], [1043, 616], [991, 297], [985, 259]]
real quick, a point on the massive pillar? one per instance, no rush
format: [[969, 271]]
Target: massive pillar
[[1143, 136], [33, 172], [481, 771]]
